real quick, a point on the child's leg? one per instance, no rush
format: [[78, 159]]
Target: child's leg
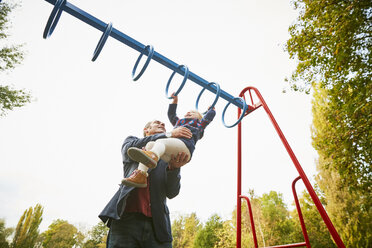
[[170, 146], [161, 148], [138, 178], [148, 147]]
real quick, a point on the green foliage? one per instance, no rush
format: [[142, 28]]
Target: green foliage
[[61, 234], [318, 233], [331, 40], [207, 237], [342, 133], [11, 98], [345, 183], [184, 230], [4, 234], [27, 230], [97, 236], [226, 236], [10, 56], [246, 230], [277, 225]]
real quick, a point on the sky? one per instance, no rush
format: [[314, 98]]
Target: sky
[[62, 150]]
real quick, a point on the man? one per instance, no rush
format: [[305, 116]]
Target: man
[[139, 217]]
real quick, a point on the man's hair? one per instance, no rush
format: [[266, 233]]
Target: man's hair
[[146, 126]]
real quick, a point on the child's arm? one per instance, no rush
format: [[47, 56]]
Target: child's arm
[[172, 116], [208, 118]]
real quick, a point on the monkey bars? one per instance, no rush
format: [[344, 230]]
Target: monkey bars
[[148, 50]]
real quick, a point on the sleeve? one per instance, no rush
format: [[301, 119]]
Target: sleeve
[[172, 116], [208, 118], [173, 182]]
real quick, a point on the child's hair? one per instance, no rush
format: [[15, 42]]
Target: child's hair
[[200, 116]]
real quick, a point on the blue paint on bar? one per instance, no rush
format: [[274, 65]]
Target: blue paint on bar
[[116, 34]]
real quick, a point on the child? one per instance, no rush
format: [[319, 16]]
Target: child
[[165, 148]]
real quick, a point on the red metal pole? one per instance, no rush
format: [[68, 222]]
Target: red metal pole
[[252, 220], [302, 222], [239, 188], [287, 246], [306, 181]]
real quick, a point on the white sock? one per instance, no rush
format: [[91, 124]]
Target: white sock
[[158, 149], [143, 167]]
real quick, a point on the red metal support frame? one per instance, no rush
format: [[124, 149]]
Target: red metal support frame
[[299, 212], [252, 220], [301, 172]]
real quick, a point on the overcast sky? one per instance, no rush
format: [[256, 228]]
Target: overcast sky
[[63, 149]]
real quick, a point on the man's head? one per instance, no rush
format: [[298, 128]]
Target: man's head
[[193, 114], [153, 127]]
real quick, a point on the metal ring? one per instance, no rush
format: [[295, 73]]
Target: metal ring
[[245, 107], [186, 75], [149, 56], [54, 18], [218, 92], [102, 41]]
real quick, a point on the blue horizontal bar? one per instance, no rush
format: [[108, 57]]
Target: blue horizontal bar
[[116, 34]]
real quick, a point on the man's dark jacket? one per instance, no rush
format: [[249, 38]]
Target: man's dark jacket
[[164, 184]]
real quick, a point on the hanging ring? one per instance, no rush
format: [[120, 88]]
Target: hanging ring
[[54, 18], [245, 107], [102, 41], [186, 75], [149, 56], [218, 92]]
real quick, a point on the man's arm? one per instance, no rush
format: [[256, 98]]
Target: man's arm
[[173, 174]]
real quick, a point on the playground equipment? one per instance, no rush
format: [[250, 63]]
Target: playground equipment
[[243, 108], [109, 31]]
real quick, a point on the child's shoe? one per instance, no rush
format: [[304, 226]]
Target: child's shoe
[[147, 158], [137, 179]]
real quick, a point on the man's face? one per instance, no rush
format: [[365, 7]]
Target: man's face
[[155, 127]]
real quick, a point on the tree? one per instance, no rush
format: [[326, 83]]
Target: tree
[[97, 236], [246, 230], [332, 41], [27, 230], [184, 230], [277, 225], [61, 234], [207, 236], [349, 206], [4, 234], [318, 233], [10, 56], [226, 236]]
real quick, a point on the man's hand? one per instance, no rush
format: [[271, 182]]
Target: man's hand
[[181, 132], [178, 161]]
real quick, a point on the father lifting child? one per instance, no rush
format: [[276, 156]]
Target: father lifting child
[[166, 148]]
